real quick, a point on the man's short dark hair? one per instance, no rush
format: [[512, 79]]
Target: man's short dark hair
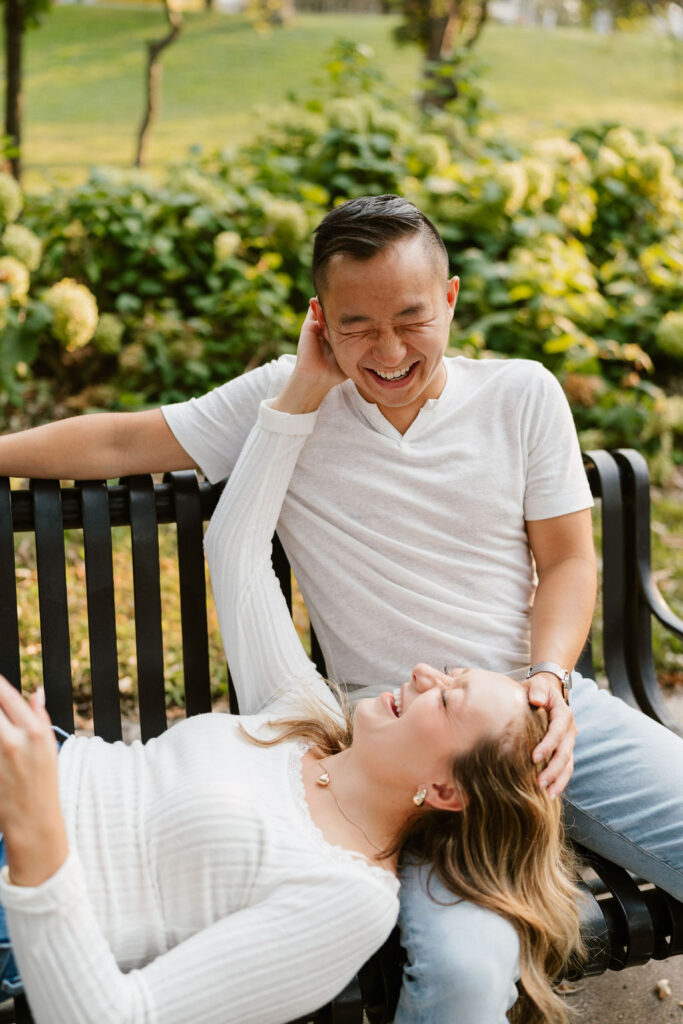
[[361, 228]]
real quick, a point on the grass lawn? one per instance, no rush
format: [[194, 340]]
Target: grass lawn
[[84, 71]]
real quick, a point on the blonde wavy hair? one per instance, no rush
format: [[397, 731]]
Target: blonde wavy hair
[[505, 851]]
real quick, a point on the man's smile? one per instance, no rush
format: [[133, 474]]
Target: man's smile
[[394, 376]]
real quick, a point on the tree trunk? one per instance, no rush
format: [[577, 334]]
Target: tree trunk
[[153, 80], [454, 25], [438, 90], [14, 28], [437, 29], [285, 13], [482, 17]]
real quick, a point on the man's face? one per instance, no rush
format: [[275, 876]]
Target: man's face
[[387, 320]]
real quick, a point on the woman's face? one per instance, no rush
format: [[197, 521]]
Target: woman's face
[[412, 735]]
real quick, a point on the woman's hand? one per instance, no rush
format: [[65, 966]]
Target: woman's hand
[[316, 370], [30, 814]]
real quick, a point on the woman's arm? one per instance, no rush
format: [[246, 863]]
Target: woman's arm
[[264, 652], [30, 815], [260, 965], [274, 961]]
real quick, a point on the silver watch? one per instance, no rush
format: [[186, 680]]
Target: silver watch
[[562, 674]]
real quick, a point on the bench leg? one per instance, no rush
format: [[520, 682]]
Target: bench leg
[[22, 1014]]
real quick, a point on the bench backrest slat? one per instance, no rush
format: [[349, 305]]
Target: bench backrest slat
[[147, 597], [52, 600], [194, 625], [99, 576], [10, 658]]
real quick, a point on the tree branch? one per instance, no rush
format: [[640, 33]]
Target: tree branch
[[153, 79]]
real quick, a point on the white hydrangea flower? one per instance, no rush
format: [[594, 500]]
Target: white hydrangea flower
[[623, 141], [14, 281], [388, 121], [74, 313], [669, 334], [512, 177], [560, 150], [348, 114], [541, 181], [11, 199], [226, 245], [657, 161], [433, 151], [608, 161], [286, 219], [108, 334], [23, 244]]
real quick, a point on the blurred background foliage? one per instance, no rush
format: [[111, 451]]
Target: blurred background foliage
[[130, 290]]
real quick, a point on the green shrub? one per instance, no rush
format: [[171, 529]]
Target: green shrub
[[570, 252]]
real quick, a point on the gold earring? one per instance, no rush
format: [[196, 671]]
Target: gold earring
[[419, 797]]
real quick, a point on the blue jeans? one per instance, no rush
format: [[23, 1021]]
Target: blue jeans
[[10, 982], [625, 800]]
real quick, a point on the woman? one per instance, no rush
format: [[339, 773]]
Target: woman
[[243, 870]]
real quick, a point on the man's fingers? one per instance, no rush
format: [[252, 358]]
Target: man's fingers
[[562, 757], [540, 691], [561, 725], [560, 783], [556, 787]]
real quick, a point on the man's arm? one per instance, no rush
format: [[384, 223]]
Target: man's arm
[[560, 619], [94, 447]]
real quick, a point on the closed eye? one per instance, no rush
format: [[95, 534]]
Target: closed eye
[[398, 327]]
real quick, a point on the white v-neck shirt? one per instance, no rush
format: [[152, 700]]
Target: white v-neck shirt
[[412, 547]]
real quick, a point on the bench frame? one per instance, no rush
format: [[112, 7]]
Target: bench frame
[[627, 922]]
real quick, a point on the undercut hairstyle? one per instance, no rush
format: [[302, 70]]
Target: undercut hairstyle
[[361, 228]]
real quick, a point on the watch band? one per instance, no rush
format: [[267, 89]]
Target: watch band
[[563, 674]]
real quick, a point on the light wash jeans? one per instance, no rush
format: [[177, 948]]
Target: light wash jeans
[[625, 800]]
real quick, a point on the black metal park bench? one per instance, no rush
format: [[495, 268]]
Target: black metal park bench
[[628, 921]]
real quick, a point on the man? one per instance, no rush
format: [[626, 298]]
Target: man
[[430, 494]]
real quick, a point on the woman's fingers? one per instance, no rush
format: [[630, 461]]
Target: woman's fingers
[[13, 706], [16, 713]]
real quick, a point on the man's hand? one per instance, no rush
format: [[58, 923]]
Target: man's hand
[[314, 355], [316, 370], [30, 813], [558, 743]]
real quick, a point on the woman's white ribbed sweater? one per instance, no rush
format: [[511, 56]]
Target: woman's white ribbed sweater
[[197, 888]]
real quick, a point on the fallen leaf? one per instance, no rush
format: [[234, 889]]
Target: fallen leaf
[[663, 989]]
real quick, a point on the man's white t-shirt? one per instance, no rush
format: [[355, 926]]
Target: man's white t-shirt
[[412, 547]]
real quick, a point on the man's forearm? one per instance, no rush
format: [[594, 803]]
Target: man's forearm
[[562, 611], [96, 446]]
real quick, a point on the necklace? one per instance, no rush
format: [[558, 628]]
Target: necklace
[[325, 781]]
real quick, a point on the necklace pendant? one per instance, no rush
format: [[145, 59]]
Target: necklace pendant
[[323, 779]]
